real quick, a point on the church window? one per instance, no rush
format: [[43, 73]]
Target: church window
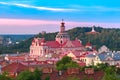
[[61, 42], [31, 51]]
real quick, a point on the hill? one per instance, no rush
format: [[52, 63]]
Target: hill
[[108, 36], [17, 37]]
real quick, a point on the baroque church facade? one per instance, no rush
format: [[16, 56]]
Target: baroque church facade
[[40, 47]]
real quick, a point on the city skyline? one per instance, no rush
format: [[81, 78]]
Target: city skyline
[[34, 16]]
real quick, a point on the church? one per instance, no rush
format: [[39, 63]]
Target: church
[[42, 48]]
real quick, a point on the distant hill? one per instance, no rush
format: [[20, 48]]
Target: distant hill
[[18, 37], [108, 36]]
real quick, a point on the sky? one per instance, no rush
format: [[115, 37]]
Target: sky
[[34, 16]]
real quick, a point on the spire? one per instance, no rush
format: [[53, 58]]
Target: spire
[[62, 27], [62, 20], [62, 24]]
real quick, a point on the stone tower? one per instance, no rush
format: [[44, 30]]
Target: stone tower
[[62, 36], [62, 27]]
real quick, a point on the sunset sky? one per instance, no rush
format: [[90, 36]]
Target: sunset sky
[[34, 16]]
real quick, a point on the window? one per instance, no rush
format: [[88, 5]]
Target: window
[[36, 43], [45, 50], [61, 42]]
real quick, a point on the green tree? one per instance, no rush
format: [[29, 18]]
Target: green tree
[[37, 74], [110, 74], [73, 78], [25, 75], [47, 78], [5, 76], [102, 66], [118, 71], [66, 62], [72, 64]]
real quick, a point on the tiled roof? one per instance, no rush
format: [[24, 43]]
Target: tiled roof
[[103, 56], [43, 65], [77, 43], [14, 67], [16, 57], [88, 44], [55, 55], [77, 54], [53, 44], [90, 55], [114, 56]]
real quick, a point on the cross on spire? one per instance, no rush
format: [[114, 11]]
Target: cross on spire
[[62, 27], [62, 20]]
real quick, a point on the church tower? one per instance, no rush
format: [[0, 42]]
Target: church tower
[[62, 27], [62, 36]]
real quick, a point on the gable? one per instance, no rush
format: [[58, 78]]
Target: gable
[[108, 58], [69, 44], [53, 44]]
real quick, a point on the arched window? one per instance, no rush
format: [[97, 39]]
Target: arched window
[[45, 50], [61, 42]]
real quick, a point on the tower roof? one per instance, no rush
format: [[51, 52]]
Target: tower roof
[[62, 27], [62, 23]]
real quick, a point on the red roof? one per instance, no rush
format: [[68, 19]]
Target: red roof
[[77, 43], [53, 44], [21, 58], [39, 40], [14, 67], [88, 44], [76, 53]]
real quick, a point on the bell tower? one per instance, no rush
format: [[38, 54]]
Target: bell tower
[[62, 27], [62, 36]]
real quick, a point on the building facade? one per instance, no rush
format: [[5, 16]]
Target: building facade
[[111, 58], [42, 48]]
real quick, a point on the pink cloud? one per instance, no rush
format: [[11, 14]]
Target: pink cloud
[[26, 26], [24, 22]]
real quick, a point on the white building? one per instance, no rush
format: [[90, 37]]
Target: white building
[[40, 47], [103, 49], [108, 57]]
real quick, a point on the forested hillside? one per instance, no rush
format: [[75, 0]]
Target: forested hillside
[[108, 36]]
